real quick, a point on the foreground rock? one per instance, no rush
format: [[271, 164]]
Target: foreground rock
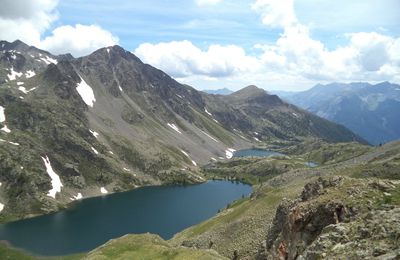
[[337, 218]]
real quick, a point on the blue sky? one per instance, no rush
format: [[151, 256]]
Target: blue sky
[[275, 44], [230, 22]]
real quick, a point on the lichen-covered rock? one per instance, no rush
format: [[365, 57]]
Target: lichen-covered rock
[[324, 222]]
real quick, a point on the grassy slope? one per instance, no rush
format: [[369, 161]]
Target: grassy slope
[[244, 225], [10, 253], [147, 246]]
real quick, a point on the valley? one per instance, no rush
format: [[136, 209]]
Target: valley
[[80, 132], [107, 122], [365, 186]]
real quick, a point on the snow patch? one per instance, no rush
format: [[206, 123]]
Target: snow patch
[[2, 115], [48, 60], [213, 159], [120, 88], [32, 89], [173, 126], [126, 169], [13, 74], [94, 133], [86, 93], [110, 152], [185, 153], [103, 190], [20, 83], [179, 96], [6, 129], [229, 153], [55, 179], [94, 150], [30, 74], [1, 207], [77, 197], [208, 113], [212, 138], [296, 115], [23, 90], [258, 140]]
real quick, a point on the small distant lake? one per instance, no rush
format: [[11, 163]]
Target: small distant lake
[[163, 210], [311, 164], [255, 153]]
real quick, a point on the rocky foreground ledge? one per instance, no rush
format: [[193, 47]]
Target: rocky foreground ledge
[[337, 218]]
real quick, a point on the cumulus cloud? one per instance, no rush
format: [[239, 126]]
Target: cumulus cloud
[[26, 20], [367, 55], [294, 59], [276, 13], [183, 59], [29, 20], [81, 39], [207, 2]]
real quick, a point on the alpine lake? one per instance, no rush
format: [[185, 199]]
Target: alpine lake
[[89, 223]]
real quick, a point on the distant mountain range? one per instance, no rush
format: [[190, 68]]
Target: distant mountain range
[[78, 127], [372, 111], [222, 91]]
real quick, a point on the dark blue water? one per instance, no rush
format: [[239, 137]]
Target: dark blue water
[[255, 152], [163, 210]]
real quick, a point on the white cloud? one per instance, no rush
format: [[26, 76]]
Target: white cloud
[[367, 56], [294, 60], [182, 59], [207, 2], [29, 20], [80, 39], [26, 20], [276, 13]]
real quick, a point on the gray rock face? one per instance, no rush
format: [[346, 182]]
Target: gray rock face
[[324, 223]]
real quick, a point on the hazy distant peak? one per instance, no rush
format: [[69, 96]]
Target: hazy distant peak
[[222, 91]]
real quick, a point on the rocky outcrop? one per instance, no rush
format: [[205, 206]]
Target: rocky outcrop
[[332, 219]]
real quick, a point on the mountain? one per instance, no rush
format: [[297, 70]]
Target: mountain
[[73, 128], [222, 91], [372, 111], [254, 113]]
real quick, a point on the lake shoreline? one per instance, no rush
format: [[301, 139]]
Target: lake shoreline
[[142, 190]]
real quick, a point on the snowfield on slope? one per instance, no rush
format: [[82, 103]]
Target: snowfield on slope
[[55, 179], [229, 153], [86, 93], [173, 126]]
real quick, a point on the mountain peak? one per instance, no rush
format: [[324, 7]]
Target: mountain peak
[[113, 52], [248, 92]]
